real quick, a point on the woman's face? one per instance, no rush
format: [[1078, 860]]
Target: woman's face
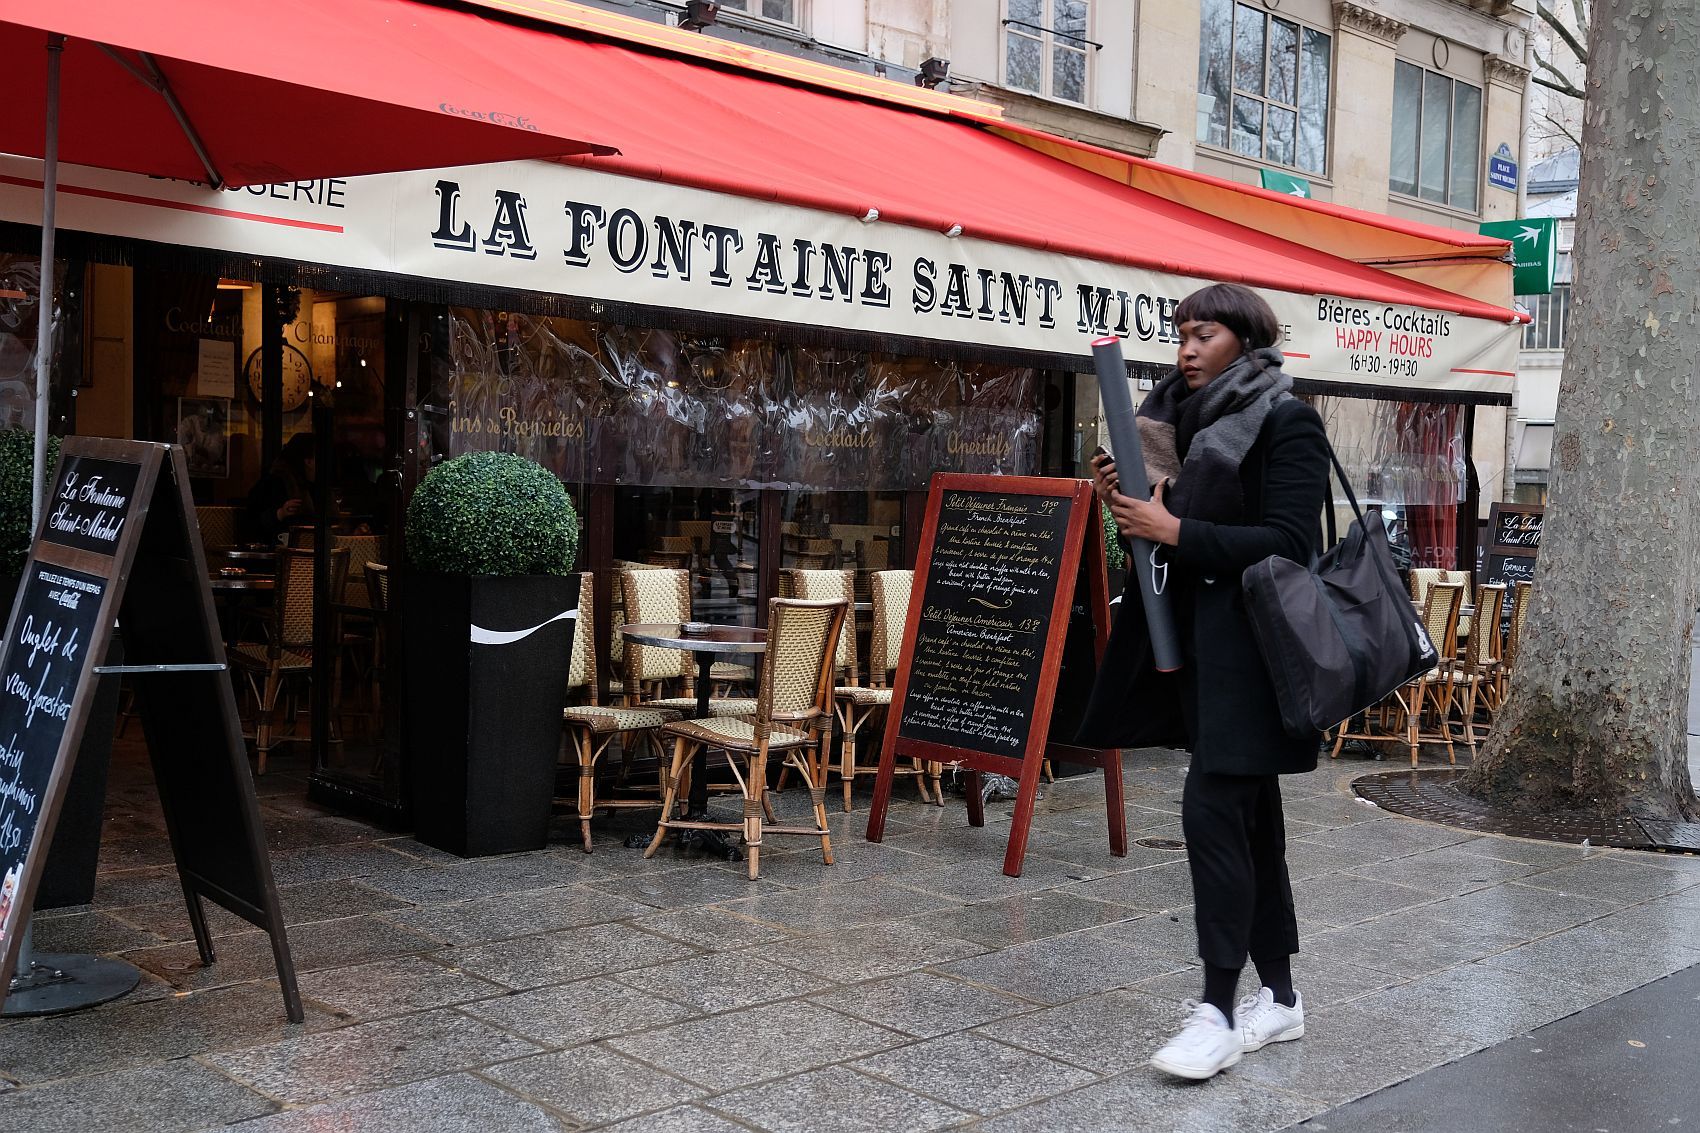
[[1206, 350]]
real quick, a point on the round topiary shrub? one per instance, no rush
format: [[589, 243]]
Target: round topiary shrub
[[492, 513], [17, 453]]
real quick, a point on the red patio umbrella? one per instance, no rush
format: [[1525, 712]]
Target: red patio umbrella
[[260, 93]]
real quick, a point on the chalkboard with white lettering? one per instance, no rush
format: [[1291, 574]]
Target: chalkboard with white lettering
[[57, 614], [1000, 563], [117, 536], [985, 621], [91, 503], [1515, 529], [1510, 569]]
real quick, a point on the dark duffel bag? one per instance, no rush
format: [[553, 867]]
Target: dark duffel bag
[[1341, 634]]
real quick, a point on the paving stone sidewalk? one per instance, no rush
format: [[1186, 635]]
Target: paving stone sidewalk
[[908, 987]]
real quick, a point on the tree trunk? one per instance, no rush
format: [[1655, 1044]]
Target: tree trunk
[[1596, 718]]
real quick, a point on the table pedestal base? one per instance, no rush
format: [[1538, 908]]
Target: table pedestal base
[[710, 842]]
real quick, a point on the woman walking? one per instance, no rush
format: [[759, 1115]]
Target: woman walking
[[1240, 472]]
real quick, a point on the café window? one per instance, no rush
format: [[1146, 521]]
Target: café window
[[1437, 137], [1551, 315], [1263, 84], [784, 11], [1045, 47]]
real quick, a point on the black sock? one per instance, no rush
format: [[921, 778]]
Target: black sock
[[1277, 975], [1219, 985]]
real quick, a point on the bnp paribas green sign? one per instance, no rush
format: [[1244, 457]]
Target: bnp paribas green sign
[[1534, 248]]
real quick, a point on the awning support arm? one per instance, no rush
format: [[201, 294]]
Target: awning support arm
[[154, 79]]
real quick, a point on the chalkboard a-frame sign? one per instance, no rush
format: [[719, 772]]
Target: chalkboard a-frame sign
[[118, 541], [1001, 558]]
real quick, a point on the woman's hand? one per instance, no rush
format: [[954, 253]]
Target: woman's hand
[[1142, 519], [1104, 478]]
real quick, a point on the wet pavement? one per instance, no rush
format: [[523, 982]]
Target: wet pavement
[[908, 987], [1622, 1066]]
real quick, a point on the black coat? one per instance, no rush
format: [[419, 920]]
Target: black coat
[[1221, 704]]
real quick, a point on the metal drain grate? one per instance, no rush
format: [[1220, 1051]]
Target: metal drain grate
[[1433, 795], [1681, 836]]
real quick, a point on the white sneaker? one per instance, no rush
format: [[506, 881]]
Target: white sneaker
[[1206, 1044], [1262, 1021]]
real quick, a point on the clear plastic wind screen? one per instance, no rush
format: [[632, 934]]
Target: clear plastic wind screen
[[1408, 457], [607, 404]]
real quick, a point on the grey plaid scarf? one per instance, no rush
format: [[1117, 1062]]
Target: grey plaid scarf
[[1199, 438]]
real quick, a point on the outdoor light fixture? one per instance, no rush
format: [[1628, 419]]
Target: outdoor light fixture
[[699, 14], [953, 231], [870, 216], [933, 72]]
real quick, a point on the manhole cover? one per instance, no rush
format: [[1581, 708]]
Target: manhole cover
[[1160, 843]]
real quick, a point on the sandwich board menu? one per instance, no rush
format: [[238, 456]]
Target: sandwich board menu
[[117, 542], [1001, 558]]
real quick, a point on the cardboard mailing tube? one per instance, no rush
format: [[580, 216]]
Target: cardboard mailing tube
[[1130, 458]]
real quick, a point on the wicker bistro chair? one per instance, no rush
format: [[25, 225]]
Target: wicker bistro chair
[[1479, 668], [590, 728], [289, 652], [664, 595], [1429, 697], [218, 526], [794, 704], [855, 705], [1398, 716], [1424, 577]]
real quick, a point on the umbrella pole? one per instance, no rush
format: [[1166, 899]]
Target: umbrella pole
[[44, 316]]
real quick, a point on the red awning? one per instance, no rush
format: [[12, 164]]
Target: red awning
[[733, 131], [283, 90]]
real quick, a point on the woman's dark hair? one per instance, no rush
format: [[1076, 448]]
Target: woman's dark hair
[[1238, 308], [302, 447]]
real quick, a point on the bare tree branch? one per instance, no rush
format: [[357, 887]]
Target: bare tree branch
[[1559, 127], [1552, 20], [1560, 82]]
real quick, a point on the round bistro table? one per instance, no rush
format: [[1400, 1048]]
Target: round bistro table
[[708, 646]]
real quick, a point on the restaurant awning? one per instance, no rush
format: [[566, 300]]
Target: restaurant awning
[[280, 91], [780, 168]]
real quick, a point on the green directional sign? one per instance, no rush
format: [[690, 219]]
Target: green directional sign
[[1534, 249], [1276, 181]]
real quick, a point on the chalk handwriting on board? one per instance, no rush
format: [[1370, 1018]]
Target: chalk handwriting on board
[[984, 621], [57, 611]]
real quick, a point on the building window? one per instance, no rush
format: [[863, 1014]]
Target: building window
[[1437, 137], [1551, 315], [1263, 85], [1045, 47], [785, 11]]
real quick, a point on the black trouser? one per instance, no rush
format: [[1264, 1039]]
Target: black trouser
[[1236, 846]]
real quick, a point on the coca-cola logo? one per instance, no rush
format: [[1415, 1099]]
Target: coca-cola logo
[[499, 117]]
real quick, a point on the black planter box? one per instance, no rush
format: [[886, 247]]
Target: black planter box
[[484, 719]]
